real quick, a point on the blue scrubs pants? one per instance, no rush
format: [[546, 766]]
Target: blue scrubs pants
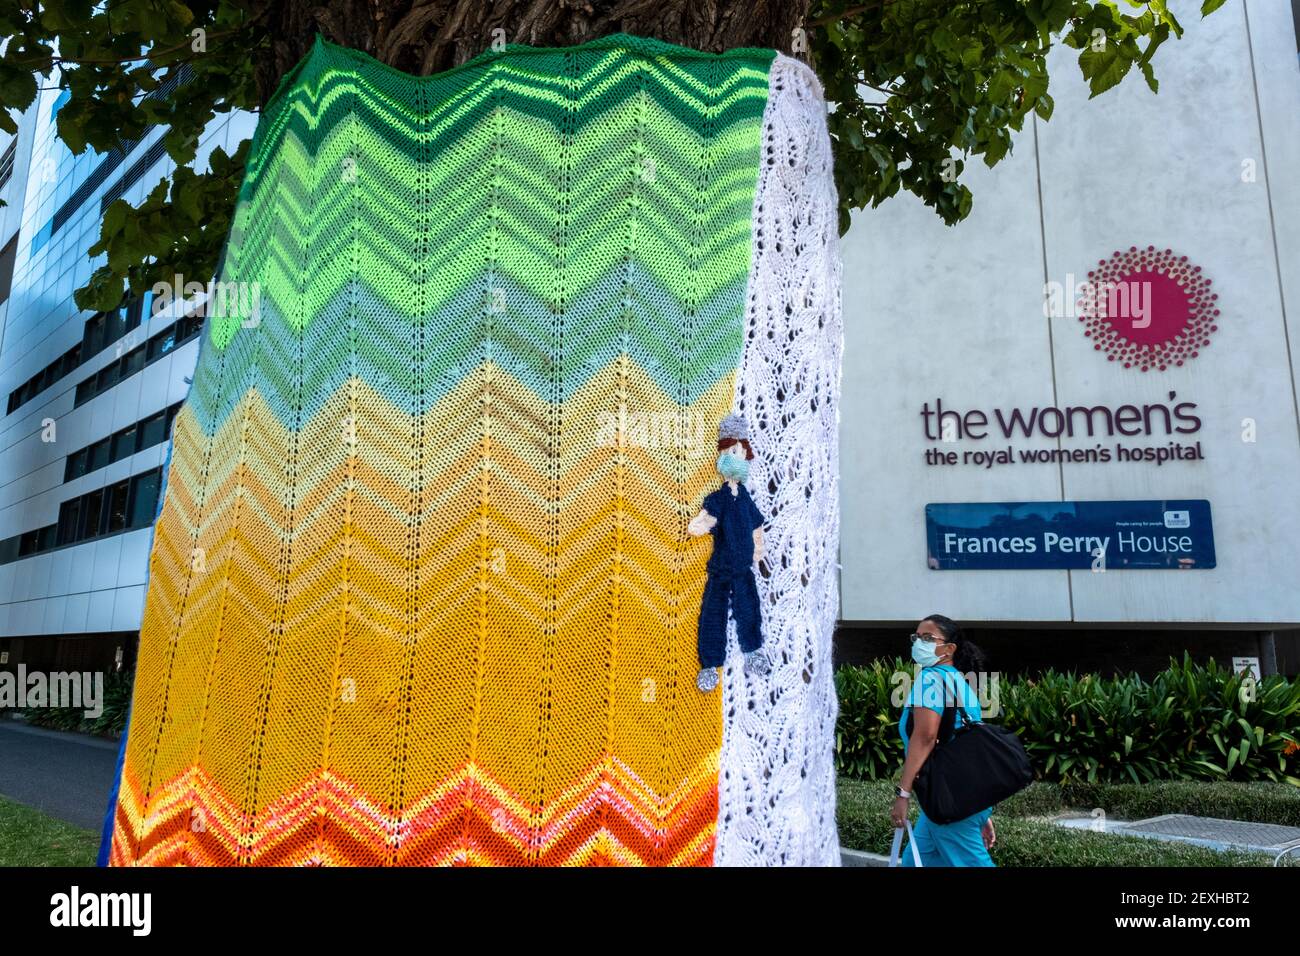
[[950, 844], [741, 593]]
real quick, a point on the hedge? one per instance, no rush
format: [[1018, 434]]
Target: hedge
[[1191, 721]]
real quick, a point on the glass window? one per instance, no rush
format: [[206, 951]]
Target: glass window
[[92, 511], [93, 340], [124, 443], [98, 454], [107, 377], [193, 324], [76, 466], [152, 430], [133, 361], [45, 539], [144, 498], [69, 515], [115, 326], [71, 359], [134, 309], [27, 542], [117, 496], [8, 550], [85, 392], [161, 344]]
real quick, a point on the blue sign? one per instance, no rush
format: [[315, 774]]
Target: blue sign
[[1075, 535]]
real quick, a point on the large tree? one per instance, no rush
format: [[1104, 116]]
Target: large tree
[[916, 86]]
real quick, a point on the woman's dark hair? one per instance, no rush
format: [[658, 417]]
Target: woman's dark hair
[[968, 657]]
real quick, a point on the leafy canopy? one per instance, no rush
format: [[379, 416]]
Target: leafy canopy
[[916, 87]]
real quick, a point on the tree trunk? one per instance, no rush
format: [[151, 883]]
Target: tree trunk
[[434, 35]]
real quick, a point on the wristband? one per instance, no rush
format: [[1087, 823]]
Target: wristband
[[900, 792]]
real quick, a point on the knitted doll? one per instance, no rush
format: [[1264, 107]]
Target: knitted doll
[[733, 519]]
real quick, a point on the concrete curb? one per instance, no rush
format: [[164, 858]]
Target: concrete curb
[[861, 858]]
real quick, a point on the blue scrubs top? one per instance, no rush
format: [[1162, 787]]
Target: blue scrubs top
[[733, 535], [928, 691], [960, 843]]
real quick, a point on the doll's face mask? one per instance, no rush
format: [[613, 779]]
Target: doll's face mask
[[733, 467]]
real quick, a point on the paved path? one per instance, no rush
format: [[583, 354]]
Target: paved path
[[1211, 832], [65, 775]]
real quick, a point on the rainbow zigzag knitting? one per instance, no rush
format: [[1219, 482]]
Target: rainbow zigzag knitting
[[420, 591]]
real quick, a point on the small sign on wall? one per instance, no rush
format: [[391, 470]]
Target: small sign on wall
[[4, 657], [1251, 664], [1073, 535]]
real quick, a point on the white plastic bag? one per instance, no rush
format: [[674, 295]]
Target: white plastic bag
[[894, 851]]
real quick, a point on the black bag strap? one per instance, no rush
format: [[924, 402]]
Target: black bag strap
[[946, 719], [965, 717]]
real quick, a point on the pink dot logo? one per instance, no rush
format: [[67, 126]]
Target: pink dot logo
[[1148, 308]]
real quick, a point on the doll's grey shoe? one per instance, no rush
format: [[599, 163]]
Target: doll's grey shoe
[[706, 679], [757, 664]]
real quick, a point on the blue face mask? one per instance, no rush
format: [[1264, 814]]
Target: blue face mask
[[733, 467], [924, 654]]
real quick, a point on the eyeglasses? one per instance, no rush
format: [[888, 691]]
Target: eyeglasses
[[929, 638]]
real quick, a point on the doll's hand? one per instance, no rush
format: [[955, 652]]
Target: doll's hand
[[702, 523], [758, 545]]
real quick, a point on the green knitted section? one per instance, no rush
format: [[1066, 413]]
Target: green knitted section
[[548, 210]]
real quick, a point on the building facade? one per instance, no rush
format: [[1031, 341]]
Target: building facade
[[972, 376], [89, 399]]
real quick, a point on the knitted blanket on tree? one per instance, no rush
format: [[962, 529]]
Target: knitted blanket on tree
[[420, 588]]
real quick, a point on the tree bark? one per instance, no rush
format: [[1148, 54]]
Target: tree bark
[[428, 36]]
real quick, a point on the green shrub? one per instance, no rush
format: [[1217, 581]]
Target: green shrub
[[867, 743], [117, 701], [1191, 721]]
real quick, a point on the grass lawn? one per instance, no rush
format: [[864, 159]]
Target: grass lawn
[[30, 838], [863, 817]]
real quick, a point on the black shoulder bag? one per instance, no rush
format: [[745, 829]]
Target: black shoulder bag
[[976, 767]]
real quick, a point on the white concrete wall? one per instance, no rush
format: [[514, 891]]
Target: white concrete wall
[[932, 311]]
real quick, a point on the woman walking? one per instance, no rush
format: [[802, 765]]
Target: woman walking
[[943, 654]]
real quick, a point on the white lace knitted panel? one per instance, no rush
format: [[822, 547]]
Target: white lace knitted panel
[[777, 782]]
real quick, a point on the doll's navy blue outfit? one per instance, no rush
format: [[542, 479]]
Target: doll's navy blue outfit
[[730, 576]]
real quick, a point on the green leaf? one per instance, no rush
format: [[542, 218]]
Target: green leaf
[[1104, 68], [1150, 75]]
